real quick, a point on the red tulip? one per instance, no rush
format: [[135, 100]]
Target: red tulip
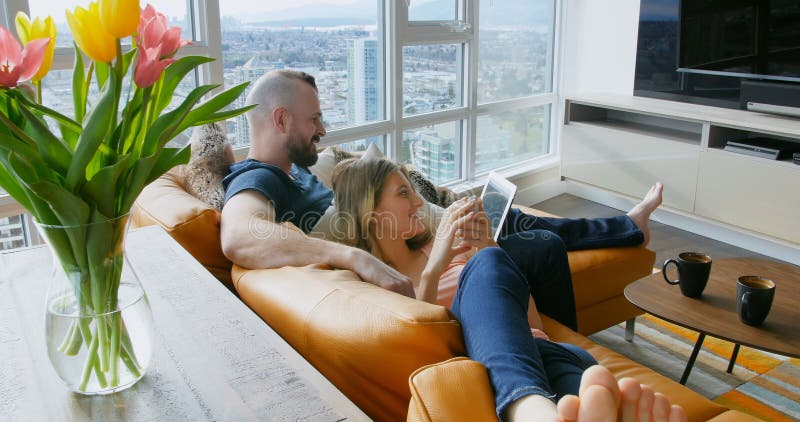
[[18, 64], [157, 44]]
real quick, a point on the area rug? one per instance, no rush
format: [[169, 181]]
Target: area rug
[[762, 384]]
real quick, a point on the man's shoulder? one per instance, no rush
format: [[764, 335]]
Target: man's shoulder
[[254, 165], [255, 170]]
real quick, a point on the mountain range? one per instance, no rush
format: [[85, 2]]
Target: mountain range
[[495, 12]]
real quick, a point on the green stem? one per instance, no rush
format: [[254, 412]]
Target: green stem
[[146, 124], [128, 355], [72, 341], [129, 359], [114, 348], [91, 360], [38, 86], [101, 378]]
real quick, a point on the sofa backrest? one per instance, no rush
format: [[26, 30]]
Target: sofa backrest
[[190, 221], [366, 340]]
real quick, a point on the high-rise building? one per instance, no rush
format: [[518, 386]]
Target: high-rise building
[[435, 154], [364, 95], [12, 232], [363, 91]]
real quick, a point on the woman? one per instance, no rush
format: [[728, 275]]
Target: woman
[[378, 209]]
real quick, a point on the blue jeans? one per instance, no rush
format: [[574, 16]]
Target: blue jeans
[[578, 233], [546, 267], [492, 305]]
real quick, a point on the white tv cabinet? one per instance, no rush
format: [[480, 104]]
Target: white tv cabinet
[[624, 144]]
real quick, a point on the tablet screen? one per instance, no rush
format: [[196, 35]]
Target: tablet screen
[[497, 196]]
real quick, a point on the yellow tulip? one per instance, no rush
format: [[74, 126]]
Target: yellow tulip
[[28, 31], [89, 34], [120, 17]]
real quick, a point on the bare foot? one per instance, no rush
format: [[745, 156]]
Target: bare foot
[[640, 213], [602, 398]]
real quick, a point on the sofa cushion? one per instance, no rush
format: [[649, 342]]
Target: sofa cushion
[[436, 387], [190, 221], [454, 390], [697, 407], [366, 340]]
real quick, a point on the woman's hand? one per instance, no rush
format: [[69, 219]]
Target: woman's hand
[[446, 244], [537, 333], [478, 232]]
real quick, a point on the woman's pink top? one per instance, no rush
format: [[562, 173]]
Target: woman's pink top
[[448, 282]]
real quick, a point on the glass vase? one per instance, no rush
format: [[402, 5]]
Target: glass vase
[[98, 323]]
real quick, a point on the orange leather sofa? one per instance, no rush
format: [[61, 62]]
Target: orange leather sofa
[[395, 357]]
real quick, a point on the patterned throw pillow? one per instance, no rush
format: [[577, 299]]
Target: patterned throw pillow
[[330, 156], [210, 162]]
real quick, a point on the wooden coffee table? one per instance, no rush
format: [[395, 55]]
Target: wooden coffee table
[[715, 314]]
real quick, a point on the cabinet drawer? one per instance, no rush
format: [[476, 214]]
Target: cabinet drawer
[[752, 193], [629, 162]]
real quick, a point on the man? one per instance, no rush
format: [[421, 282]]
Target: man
[[273, 187]]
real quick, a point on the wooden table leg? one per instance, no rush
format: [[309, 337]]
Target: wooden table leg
[[692, 358], [734, 355]]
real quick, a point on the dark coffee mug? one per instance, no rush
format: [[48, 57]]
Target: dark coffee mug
[[693, 271], [754, 296]]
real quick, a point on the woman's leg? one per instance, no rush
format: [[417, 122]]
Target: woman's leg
[[541, 256], [579, 233], [491, 304], [631, 229], [564, 364]]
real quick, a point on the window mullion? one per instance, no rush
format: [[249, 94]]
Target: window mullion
[[429, 119], [366, 130], [471, 88], [517, 103], [556, 111], [437, 35], [207, 24], [9, 12], [398, 23]]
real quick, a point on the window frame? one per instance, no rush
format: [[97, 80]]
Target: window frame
[[396, 32]]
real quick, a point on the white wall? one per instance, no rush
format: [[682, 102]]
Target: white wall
[[599, 46]]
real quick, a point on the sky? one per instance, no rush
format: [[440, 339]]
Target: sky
[[236, 8]]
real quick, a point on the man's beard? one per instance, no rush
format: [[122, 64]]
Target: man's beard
[[302, 154]]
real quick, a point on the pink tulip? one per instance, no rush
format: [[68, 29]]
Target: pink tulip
[[18, 64], [149, 67], [157, 44]]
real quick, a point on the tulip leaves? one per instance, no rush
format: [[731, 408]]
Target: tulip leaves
[[98, 164]]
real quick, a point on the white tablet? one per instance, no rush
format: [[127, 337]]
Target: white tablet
[[497, 196]]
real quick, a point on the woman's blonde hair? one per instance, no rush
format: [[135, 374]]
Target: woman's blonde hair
[[357, 186]]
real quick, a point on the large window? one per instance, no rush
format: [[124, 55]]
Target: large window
[[455, 88], [340, 44]]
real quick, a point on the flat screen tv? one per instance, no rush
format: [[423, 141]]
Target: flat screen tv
[[742, 38], [723, 53]]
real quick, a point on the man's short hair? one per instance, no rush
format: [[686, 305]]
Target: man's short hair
[[298, 75], [273, 89]]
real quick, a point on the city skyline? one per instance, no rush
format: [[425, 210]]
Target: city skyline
[[348, 62]]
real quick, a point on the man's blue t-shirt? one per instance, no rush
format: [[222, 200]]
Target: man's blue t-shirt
[[298, 197]]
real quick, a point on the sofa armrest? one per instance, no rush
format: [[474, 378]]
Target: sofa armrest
[[366, 340], [190, 221], [454, 390]]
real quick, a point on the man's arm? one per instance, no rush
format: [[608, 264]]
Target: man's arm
[[252, 238]]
